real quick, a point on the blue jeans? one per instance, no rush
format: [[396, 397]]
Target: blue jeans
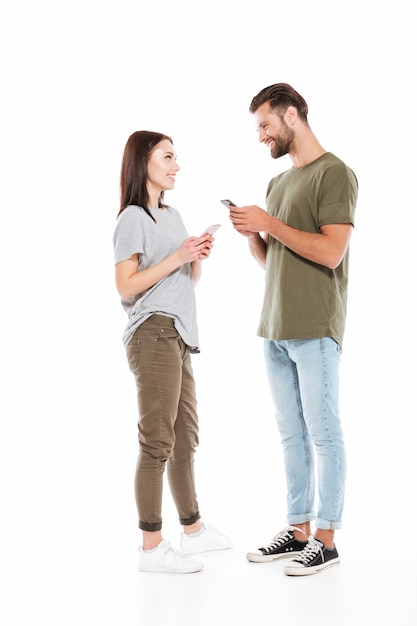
[[303, 376]]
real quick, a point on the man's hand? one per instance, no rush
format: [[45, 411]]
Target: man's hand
[[249, 219]]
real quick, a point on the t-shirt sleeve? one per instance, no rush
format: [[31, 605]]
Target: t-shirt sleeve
[[338, 196], [128, 236]]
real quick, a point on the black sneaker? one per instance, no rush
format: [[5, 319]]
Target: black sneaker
[[313, 559], [282, 546]]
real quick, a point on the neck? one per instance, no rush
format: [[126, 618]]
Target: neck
[[153, 200], [306, 149]]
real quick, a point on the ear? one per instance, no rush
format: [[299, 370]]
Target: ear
[[291, 115]]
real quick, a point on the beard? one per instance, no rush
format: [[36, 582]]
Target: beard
[[283, 142]]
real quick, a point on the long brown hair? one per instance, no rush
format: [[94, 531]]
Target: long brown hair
[[134, 170]]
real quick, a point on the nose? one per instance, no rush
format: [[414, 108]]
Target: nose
[[262, 135]]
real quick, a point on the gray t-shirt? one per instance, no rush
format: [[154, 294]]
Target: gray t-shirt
[[174, 296]]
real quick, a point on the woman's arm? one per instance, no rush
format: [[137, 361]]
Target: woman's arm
[[131, 280], [196, 271], [204, 254]]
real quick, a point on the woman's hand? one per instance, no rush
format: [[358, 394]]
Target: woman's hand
[[195, 248]]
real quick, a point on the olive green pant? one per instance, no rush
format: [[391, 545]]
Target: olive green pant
[[168, 421]]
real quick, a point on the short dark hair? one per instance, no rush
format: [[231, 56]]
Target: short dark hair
[[134, 171], [280, 96]]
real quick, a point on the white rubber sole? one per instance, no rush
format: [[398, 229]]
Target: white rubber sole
[[267, 558], [307, 571]]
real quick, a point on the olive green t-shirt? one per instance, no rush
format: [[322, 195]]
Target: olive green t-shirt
[[305, 300]]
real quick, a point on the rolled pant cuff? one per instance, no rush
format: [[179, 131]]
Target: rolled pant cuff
[[151, 528], [192, 520]]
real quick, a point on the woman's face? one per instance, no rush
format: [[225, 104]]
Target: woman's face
[[162, 168]]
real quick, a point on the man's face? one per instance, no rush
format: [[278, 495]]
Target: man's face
[[273, 131]]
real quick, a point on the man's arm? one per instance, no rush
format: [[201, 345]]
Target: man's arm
[[325, 248], [257, 247]]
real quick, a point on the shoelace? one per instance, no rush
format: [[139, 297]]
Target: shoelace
[[279, 539], [212, 530], [168, 548], [312, 549], [177, 554]]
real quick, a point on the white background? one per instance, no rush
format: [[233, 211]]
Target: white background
[[77, 79]]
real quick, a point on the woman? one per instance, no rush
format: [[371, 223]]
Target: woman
[[157, 267]]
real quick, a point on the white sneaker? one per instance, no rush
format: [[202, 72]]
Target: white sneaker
[[165, 559], [205, 540]]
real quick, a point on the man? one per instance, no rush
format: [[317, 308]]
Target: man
[[304, 251]]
